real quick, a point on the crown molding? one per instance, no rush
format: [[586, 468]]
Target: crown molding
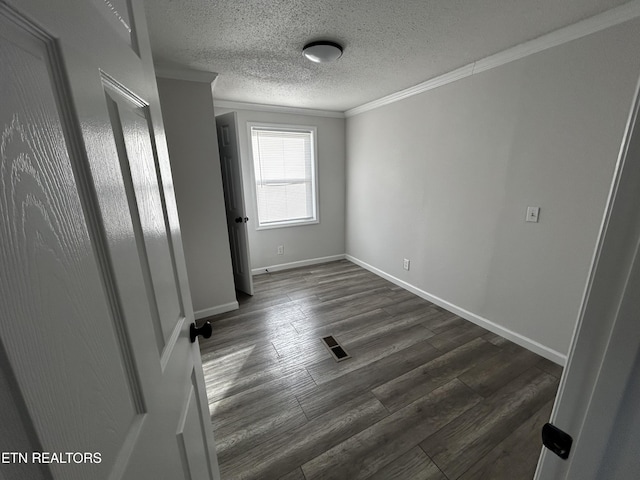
[[607, 19], [276, 109], [438, 81], [185, 74], [610, 18]]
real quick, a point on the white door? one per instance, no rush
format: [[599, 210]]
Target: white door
[[597, 402], [97, 369], [234, 201]]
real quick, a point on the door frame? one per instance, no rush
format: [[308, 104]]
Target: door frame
[[606, 340]]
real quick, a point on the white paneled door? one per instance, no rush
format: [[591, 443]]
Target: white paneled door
[[227, 126], [98, 376]]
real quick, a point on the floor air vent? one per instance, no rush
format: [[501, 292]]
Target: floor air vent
[[336, 350]]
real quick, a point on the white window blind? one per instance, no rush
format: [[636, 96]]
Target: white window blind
[[284, 167]]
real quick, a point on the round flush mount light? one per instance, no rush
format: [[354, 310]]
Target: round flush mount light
[[322, 51]]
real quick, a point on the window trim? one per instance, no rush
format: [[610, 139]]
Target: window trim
[[314, 172]]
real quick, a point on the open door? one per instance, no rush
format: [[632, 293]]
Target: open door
[[598, 398], [99, 378], [234, 201]]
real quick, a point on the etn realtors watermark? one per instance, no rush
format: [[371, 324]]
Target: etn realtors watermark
[[51, 457]]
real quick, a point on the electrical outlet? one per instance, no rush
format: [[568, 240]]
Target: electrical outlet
[[280, 249], [405, 264]]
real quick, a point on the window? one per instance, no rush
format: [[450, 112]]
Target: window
[[284, 165]]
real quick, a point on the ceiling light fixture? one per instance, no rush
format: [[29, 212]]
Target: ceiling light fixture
[[322, 51]]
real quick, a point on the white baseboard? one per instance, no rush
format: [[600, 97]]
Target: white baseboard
[[521, 340], [300, 263], [207, 312]]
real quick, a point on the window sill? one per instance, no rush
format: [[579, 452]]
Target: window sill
[[288, 224]]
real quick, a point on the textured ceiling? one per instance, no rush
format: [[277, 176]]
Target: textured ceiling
[[255, 45]]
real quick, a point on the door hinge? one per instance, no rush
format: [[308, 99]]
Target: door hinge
[[556, 440]]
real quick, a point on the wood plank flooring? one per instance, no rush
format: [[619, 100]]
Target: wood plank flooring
[[425, 396]]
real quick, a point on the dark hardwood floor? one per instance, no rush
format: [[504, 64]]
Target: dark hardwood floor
[[425, 394]]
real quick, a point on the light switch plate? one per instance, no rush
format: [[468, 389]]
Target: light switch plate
[[532, 214]]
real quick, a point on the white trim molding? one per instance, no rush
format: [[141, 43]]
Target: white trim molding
[[521, 340], [300, 263], [208, 312], [610, 18], [436, 82], [276, 109], [185, 74]]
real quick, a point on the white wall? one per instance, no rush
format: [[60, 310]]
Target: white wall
[[444, 178], [187, 109], [308, 242]]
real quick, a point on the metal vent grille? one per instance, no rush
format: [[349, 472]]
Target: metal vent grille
[[335, 348]]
